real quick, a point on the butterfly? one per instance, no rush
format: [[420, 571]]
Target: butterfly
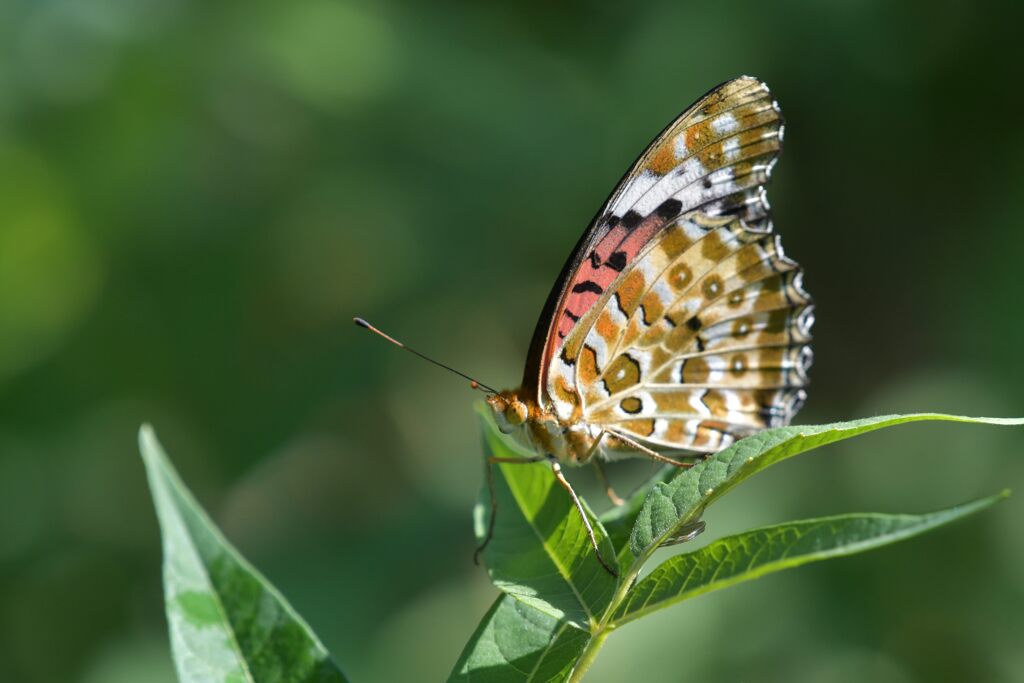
[[678, 325]]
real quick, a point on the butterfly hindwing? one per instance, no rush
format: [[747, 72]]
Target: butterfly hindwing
[[701, 340]]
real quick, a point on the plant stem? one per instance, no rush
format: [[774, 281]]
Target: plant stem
[[605, 627], [588, 656]]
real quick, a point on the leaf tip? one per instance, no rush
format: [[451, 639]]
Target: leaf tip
[[983, 503], [149, 445]]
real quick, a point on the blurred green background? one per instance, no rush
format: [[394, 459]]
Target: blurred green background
[[196, 198]]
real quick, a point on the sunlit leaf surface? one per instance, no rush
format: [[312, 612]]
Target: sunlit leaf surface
[[517, 643], [681, 501], [540, 552], [757, 552], [227, 622]]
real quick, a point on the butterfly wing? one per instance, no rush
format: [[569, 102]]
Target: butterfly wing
[[703, 339], [715, 157]]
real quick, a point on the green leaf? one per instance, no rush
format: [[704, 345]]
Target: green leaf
[[681, 501], [227, 623], [540, 552], [754, 553], [619, 520], [516, 643]]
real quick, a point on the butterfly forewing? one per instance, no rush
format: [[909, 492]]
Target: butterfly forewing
[[714, 158], [723, 145]]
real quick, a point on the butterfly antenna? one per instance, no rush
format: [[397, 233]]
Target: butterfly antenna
[[472, 382]]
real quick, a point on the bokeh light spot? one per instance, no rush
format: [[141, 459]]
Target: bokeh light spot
[[50, 272]]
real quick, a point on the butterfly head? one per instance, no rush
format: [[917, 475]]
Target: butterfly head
[[510, 411]]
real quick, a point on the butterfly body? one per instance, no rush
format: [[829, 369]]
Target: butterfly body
[[573, 443], [541, 430]]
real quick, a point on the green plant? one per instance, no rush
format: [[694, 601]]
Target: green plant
[[227, 622], [558, 605]]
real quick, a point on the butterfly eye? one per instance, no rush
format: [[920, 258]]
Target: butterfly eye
[[516, 413]]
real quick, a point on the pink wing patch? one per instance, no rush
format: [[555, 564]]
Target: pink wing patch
[[600, 268]]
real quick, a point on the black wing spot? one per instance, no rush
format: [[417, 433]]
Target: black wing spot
[[632, 405], [694, 324], [565, 357], [631, 220], [707, 183], [669, 208], [595, 260], [570, 315], [587, 286], [703, 402], [617, 261], [612, 220]]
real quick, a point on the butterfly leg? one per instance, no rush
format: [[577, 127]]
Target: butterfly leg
[[612, 496], [557, 469], [494, 501], [653, 455]]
